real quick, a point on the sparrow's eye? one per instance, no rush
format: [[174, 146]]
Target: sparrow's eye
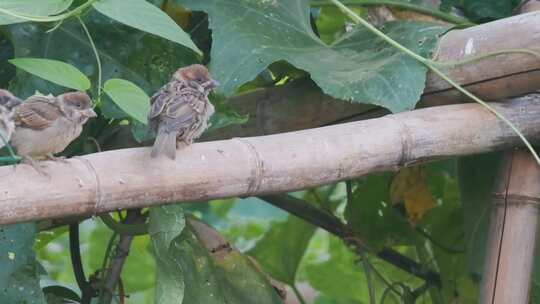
[[199, 80]]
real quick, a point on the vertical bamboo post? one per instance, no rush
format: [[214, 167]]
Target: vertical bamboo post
[[512, 231]]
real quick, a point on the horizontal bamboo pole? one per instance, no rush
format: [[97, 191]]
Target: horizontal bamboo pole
[[495, 77], [301, 104], [128, 178]]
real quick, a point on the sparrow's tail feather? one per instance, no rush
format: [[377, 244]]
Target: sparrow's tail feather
[[165, 144]]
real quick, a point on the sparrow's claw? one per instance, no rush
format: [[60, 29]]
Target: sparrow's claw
[[181, 144], [35, 164], [57, 158]]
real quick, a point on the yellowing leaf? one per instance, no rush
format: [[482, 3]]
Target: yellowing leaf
[[177, 12], [410, 186], [412, 15]]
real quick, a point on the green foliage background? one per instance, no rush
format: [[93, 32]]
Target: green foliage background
[[247, 44]]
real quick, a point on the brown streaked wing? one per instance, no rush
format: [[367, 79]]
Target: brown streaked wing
[[158, 102], [8, 100], [179, 113], [180, 110], [37, 112]]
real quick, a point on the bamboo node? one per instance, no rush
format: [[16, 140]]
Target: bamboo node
[[257, 171], [501, 199], [406, 140], [99, 196]]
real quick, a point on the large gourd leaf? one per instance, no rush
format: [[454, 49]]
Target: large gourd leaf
[[196, 265], [341, 277], [444, 224], [293, 234], [482, 10], [166, 224], [250, 35], [373, 218], [19, 278], [215, 272]]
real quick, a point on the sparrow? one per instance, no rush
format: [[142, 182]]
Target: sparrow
[[180, 110], [45, 125], [7, 125]]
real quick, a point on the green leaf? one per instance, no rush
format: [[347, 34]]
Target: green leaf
[[30, 7], [225, 115], [149, 62], [166, 224], [216, 273], [373, 217], [140, 132], [331, 22], [145, 17], [324, 299], [129, 97], [19, 278], [250, 35], [340, 275], [446, 5], [55, 71], [487, 10], [60, 294], [293, 234], [444, 225], [45, 237]]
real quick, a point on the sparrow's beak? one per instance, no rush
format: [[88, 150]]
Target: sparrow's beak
[[210, 84], [214, 83], [89, 113]]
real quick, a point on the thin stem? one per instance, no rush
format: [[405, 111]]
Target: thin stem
[[104, 266], [123, 228], [334, 225], [392, 288], [382, 278], [75, 11], [490, 108], [404, 5], [453, 63], [348, 187], [367, 271], [98, 60], [363, 256], [118, 259], [115, 268], [426, 257], [298, 294], [446, 248], [55, 27], [78, 270], [9, 148], [429, 64]]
